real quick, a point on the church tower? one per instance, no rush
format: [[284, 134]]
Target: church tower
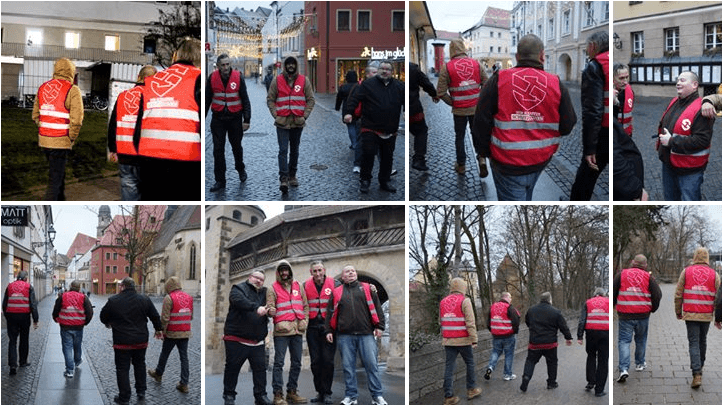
[[104, 219]]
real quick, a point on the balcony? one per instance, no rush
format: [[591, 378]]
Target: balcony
[[53, 52]]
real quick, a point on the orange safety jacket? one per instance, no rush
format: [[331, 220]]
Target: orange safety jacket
[[465, 78], [72, 311], [291, 101], [181, 313], [597, 313], [338, 293], [699, 289], [226, 96], [683, 127], [126, 116], [526, 125], [625, 112], [453, 323], [500, 323], [603, 59], [634, 296], [54, 117], [18, 297], [317, 303], [289, 305], [171, 127]]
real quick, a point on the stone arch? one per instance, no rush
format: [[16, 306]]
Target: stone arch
[[564, 67]]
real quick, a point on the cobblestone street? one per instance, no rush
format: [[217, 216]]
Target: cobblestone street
[[441, 183], [325, 161], [42, 383]]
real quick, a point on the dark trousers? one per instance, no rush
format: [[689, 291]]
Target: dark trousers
[[460, 123], [236, 355], [371, 144], [322, 354], [219, 128], [597, 358], [420, 131], [57, 158], [18, 326], [289, 141], [697, 338], [168, 345], [123, 360], [533, 357], [583, 186]]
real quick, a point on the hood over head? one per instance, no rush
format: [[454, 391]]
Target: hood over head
[[351, 77], [283, 263], [457, 285], [457, 47], [64, 69], [701, 256], [172, 284], [288, 60]]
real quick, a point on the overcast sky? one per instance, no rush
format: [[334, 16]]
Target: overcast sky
[[69, 220], [458, 16], [248, 5]]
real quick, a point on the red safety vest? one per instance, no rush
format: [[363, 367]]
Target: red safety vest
[[597, 313], [291, 100], [72, 311], [526, 125], [453, 323], [170, 127], [126, 115], [289, 305], [625, 112], [465, 78], [317, 303], [699, 289], [182, 312], [683, 127], [603, 59], [500, 322], [226, 96], [634, 296], [338, 293], [18, 297], [54, 117]]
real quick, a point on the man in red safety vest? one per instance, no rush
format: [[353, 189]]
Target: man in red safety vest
[[72, 311], [458, 329], [18, 305], [694, 301], [503, 323], [175, 318], [594, 319], [623, 97]]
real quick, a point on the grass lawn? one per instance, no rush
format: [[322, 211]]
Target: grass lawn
[[24, 164]]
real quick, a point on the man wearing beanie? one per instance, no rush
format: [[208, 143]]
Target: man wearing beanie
[[290, 100], [636, 295], [694, 303]]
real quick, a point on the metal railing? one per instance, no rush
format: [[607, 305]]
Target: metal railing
[[92, 54]]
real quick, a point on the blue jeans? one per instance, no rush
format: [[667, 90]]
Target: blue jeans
[[514, 188], [72, 341], [168, 345], [354, 135], [365, 346], [294, 344], [506, 345], [460, 124], [468, 355], [697, 337], [686, 187], [288, 164], [627, 328], [129, 182]]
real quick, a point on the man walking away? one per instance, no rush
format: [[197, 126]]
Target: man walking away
[[72, 311], [354, 127], [503, 323], [417, 122], [19, 305], [594, 319]]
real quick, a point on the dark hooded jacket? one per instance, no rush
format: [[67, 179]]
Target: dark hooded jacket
[[628, 166], [128, 313], [242, 320], [287, 328], [345, 89], [290, 121]]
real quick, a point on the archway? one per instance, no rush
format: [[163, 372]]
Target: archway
[[564, 67]]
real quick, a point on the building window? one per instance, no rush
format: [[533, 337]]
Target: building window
[[254, 221], [107, 255], [550, 28], [115, 269], [192, 268], [34, 36], [115, 256], [491, 49], [343, 20], [606, 11], [589, 14], [363, 20], [149, 45], [513, 40], [491, 34], [539, 30], [567, 22], [127, 269], [72, 40], [397, 20], [237, 215], [498, 34], [498, 49], [638, 43], [671, 39], [208, 224], [713, 35], [112, 43], [107, 269]]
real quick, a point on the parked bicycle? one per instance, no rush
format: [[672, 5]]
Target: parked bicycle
[[95, 102]]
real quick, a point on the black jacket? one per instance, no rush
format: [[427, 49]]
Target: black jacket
[[628, 166], [417, 81], [242, 320], [87, 308], [354, 317], [544, 321], [345, 90], [593, 107], [701, 134], [15, 317], [654, 291], [128, 313], [382, 104], [244, 115], [513, 317]]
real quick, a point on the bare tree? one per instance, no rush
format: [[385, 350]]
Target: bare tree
[[172, 26]]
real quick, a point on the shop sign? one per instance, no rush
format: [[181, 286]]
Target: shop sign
[[383, 54], [15, 215], [311, 54]]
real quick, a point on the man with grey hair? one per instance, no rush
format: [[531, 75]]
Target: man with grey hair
[[623, 97], [684, 142], [503, 323], [594, 318], [72, 311], [18, 305], [544, 322]]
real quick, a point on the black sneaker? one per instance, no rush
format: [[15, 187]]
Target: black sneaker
[[243, 176], [487, 375], [420, 165], [218, 186], [524, 384], [365, 184], [551, 386], [318, 399], [589, 386], [387, 187], [600, 394], [117, 400], [13, 371]]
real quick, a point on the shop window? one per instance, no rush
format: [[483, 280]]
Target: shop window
[[363, 20], [343, 20]]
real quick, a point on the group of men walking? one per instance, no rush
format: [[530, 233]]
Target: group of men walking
[[458, 329]]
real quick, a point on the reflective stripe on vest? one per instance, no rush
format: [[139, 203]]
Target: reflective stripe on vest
[[181, 313], [126, 115], [226, 96], [603, 59], [72, 310], [683, 127], [453, 322], [291, 101], [170, 127], [465, 81], [699, 289], [500, 322], [526, 125], [54, 117], [338, 293], [625, 112], [318, 303], [18, 297], [597, 313], [634, 296], [289, 305]]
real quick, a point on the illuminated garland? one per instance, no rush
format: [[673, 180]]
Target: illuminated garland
[[237, 37]]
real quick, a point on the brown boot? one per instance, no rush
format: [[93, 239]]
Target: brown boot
[[293, 398], [284, 188], [473, 393], [278, 399], [483, 171], [451, 401], [293, 181], [461, 169], [697, 381], [182, 388], [157, 377]]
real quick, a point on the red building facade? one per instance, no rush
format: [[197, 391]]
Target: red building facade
[[345, 35]]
